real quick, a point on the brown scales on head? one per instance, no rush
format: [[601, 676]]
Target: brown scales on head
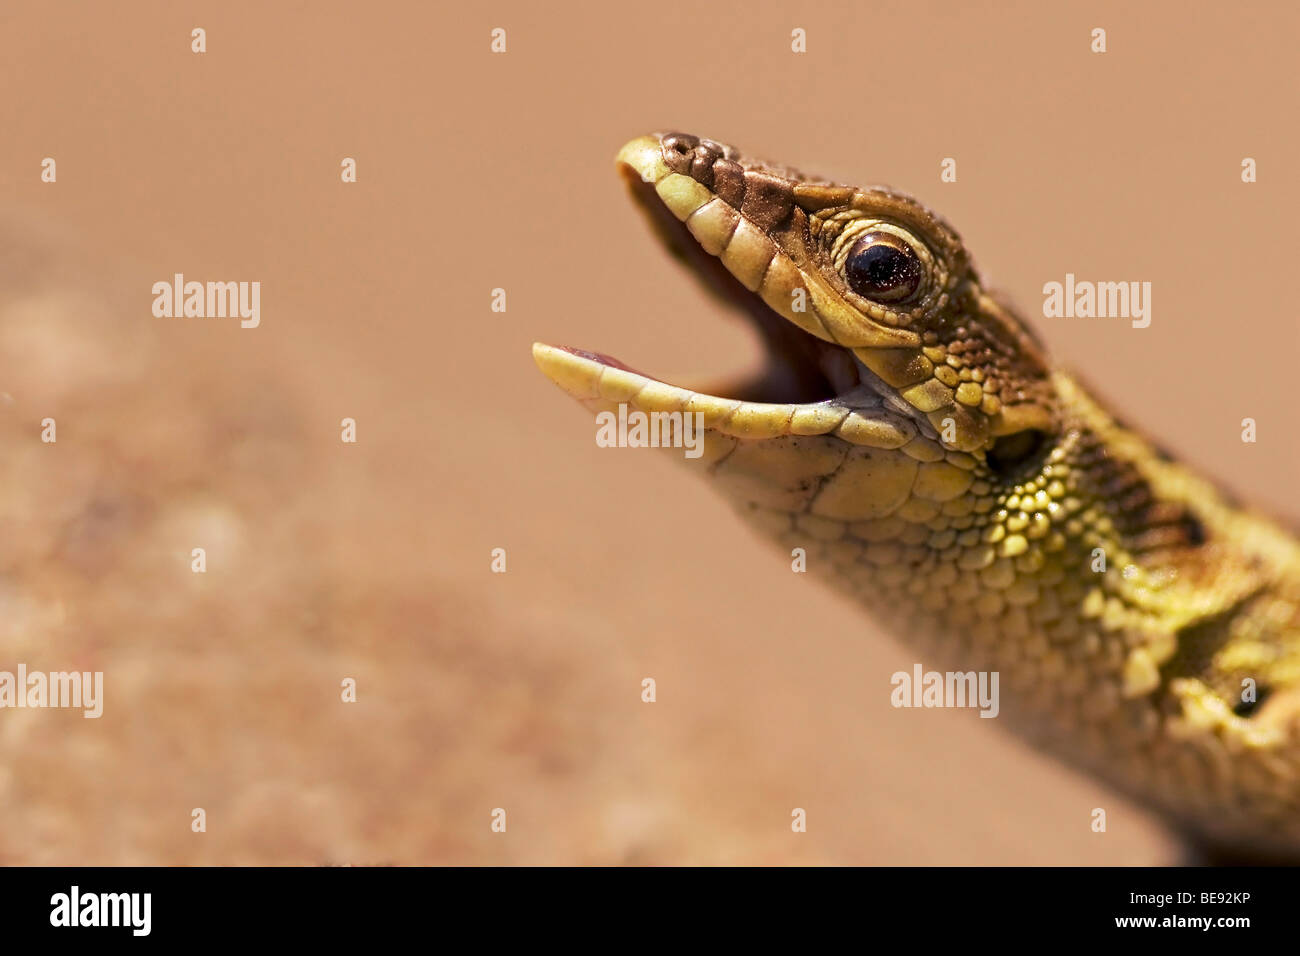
[[887, 278]]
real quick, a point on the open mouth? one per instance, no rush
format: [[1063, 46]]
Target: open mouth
[[798, 367], [806, 385]]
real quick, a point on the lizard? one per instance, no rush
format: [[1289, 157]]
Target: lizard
[[912, 435]]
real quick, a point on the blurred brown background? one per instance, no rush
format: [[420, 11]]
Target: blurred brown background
[[371, 561]]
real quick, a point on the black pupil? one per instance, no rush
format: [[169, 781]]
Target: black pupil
[[880, 265]]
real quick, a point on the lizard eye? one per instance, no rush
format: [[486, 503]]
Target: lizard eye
[[883, 267]]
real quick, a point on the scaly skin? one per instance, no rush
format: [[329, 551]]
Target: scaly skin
[[967, 492]]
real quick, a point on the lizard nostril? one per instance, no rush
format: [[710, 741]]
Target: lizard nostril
[[680, 143]]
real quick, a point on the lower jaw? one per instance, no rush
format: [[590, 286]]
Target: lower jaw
[[602, 384]]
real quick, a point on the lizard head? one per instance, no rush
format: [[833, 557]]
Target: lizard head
[[877, 330]]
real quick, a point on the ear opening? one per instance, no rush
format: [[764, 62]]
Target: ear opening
[[1011, 453]]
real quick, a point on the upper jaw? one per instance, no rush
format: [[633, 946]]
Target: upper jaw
[[748, 217]]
